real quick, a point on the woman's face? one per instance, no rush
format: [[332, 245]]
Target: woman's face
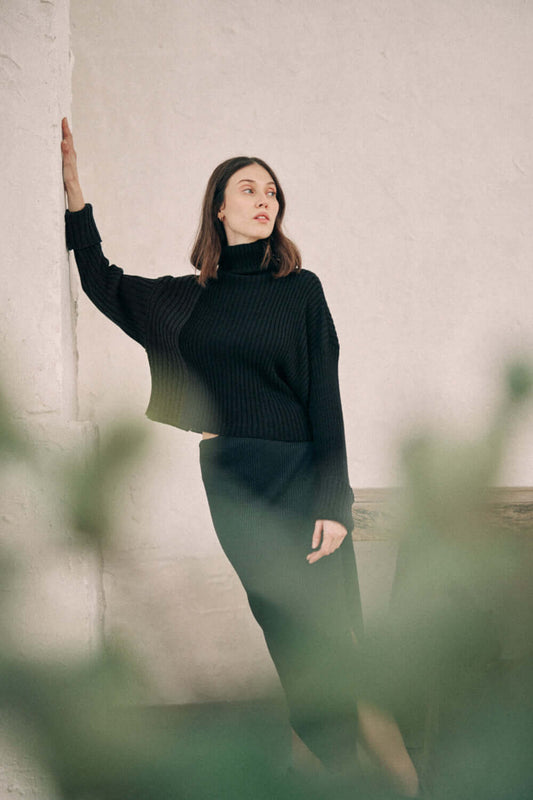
[[250, 205]]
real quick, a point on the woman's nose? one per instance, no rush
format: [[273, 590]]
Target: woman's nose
[[262, 200]]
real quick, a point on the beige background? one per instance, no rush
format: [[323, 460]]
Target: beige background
[[401, 132]]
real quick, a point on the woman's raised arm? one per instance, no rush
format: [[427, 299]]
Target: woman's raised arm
[[125, 299]]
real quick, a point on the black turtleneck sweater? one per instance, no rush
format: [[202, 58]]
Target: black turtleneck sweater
[[248, 355]]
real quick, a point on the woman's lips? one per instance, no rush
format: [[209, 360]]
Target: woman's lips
[[262, 218]]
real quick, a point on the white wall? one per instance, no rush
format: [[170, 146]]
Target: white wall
[[37, 347], [50, 606], [402, 135]]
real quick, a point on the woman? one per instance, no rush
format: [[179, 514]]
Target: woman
[[255, 371]]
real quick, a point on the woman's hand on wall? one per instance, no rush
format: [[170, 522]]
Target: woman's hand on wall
[[71, 179], [329, 534]]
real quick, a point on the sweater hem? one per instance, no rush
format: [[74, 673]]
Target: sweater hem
[[154, 416]]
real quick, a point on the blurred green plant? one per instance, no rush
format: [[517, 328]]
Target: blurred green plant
[[91, 483], [455, 654]]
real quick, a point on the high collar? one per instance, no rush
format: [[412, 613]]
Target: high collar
[[244, 259]]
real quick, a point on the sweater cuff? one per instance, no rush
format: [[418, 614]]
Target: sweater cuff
[[335, 501], [80, 228]]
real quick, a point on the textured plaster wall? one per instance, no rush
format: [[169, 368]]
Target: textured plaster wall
[[51, 606], [37, 349], [401, 132]]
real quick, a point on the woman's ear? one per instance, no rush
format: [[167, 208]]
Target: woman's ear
[[220, 214]]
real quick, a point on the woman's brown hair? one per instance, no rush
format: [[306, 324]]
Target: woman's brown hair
[[211, 236]]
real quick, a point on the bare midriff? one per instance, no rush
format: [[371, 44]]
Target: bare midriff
[[206, 435]]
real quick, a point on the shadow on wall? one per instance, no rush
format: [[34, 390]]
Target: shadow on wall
[[453, 660]]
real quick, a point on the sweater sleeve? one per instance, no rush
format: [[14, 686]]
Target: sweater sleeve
[[123, 298], [334, 496]]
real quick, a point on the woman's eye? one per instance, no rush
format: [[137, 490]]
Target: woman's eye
[[247, 190], [272, 192]]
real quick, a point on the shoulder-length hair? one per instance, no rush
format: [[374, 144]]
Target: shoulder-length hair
[[211, 236]]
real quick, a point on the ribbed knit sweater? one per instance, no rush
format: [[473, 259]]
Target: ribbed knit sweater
[[247, 355]]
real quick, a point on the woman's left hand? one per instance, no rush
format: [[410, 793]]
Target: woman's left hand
[[328, 534]]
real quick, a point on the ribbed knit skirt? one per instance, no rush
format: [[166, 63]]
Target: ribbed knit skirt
[[260, 495]]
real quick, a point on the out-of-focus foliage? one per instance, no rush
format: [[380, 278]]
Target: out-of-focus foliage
[[455, 654], [12, 443], [91, 482], [453, 661]]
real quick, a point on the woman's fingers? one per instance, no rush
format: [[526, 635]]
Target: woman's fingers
[[328, 546], [317, 533], [70, 169], [332, 533], [67, 142], [317, 537]]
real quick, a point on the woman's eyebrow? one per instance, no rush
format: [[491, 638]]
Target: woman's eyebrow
[[251, 180]]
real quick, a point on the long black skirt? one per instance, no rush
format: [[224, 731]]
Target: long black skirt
[[260, 495]]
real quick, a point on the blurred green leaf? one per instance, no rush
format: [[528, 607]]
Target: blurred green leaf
[[92, 482], [12, 442], [520, 380]]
